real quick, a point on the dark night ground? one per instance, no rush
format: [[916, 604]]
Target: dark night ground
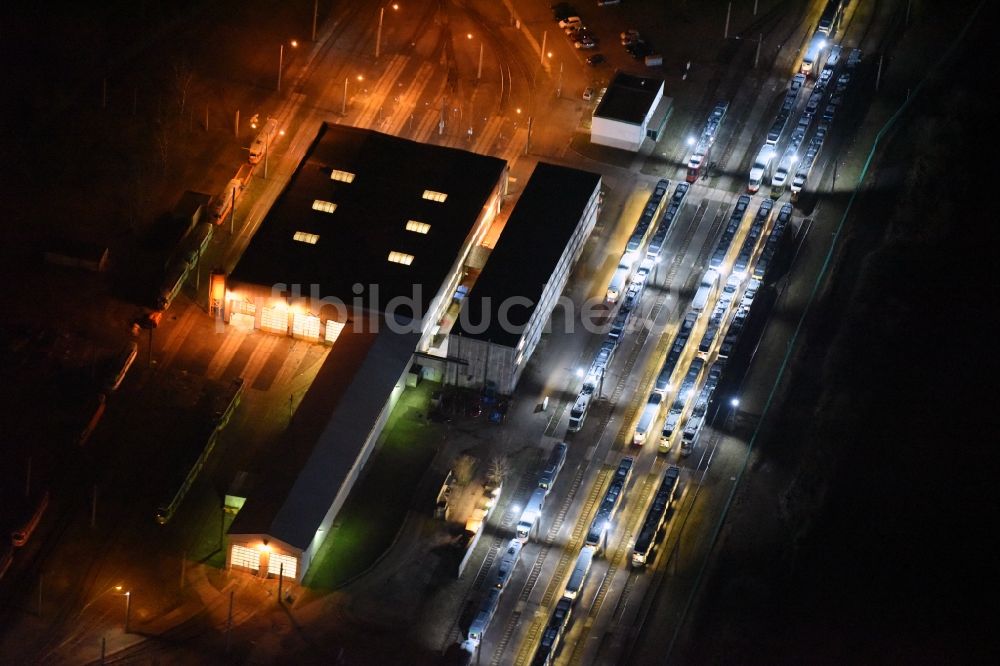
[[892, 414]]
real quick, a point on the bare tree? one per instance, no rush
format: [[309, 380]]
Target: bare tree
[[162, 137], [463, 468], [136, 193], [498, 470], [183, 75]]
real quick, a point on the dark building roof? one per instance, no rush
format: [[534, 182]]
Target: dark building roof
[[391, 175], [628, 98], [326, 436], [525, 257]]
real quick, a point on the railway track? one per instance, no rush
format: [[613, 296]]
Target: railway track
[[615, 563], [569, 553]]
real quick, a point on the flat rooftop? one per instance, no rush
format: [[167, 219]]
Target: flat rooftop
[[327, 434], [530, 245], [629, 98], [348, 229]]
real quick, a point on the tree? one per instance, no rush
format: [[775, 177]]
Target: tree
[[463, 468], [498, 470], [183, 75]]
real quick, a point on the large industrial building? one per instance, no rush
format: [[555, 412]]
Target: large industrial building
[[503, 315], [631, 110], [363, 249], [368, 224], [332, 435]]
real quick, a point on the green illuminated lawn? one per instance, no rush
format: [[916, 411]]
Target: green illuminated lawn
[[375, 509]]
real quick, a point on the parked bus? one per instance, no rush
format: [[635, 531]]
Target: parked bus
[[121, 364], [20, 535]]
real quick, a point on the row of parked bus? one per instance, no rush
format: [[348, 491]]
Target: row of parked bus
[[594, 377], [527, 526], [596, 540]]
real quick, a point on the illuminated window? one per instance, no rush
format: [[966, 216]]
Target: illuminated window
[[303, 237], [401, 258], [435, 196], [325, 206], [333, 330], [342, 176], [283, 565], [245, 558], [419, 227]]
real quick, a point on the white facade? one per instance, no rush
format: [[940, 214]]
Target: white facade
[[623, 124]]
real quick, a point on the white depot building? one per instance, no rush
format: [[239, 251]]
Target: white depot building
[[631, 110], [505, 312]]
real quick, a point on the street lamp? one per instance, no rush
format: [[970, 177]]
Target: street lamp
[[479, 72], [343, 110], [281, 59], [267, 146], [378, 36], [690, 141], [579, 373]]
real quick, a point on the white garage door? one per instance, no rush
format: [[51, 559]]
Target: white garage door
[[245, 558], [305, 325], [333, 329], [274, 320], [244, 322], [282, 564]]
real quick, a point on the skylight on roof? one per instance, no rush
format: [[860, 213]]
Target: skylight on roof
[[418, 227], [435, 196], [342, 176], [400, 258], [303, 237], [324, 206]]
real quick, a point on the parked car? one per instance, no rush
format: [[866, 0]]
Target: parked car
[[585, 44], [596, 59], [630, 35], [588, 94], [639, 50], [562, 10], [570, 20]]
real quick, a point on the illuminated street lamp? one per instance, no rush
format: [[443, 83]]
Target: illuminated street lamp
[[733, 404], [267, 145], [281, 59], [128, 608], [479, 72], [343, 110], [579, 373], [690, 141], [378, 36]]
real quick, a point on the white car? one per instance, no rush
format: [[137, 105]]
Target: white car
[[572, 20]]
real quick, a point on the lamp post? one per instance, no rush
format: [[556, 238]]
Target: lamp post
[[378, 35], [128, 608], [733, 404], [267, 147], [479, 71], [281, 59], [343, 110]]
